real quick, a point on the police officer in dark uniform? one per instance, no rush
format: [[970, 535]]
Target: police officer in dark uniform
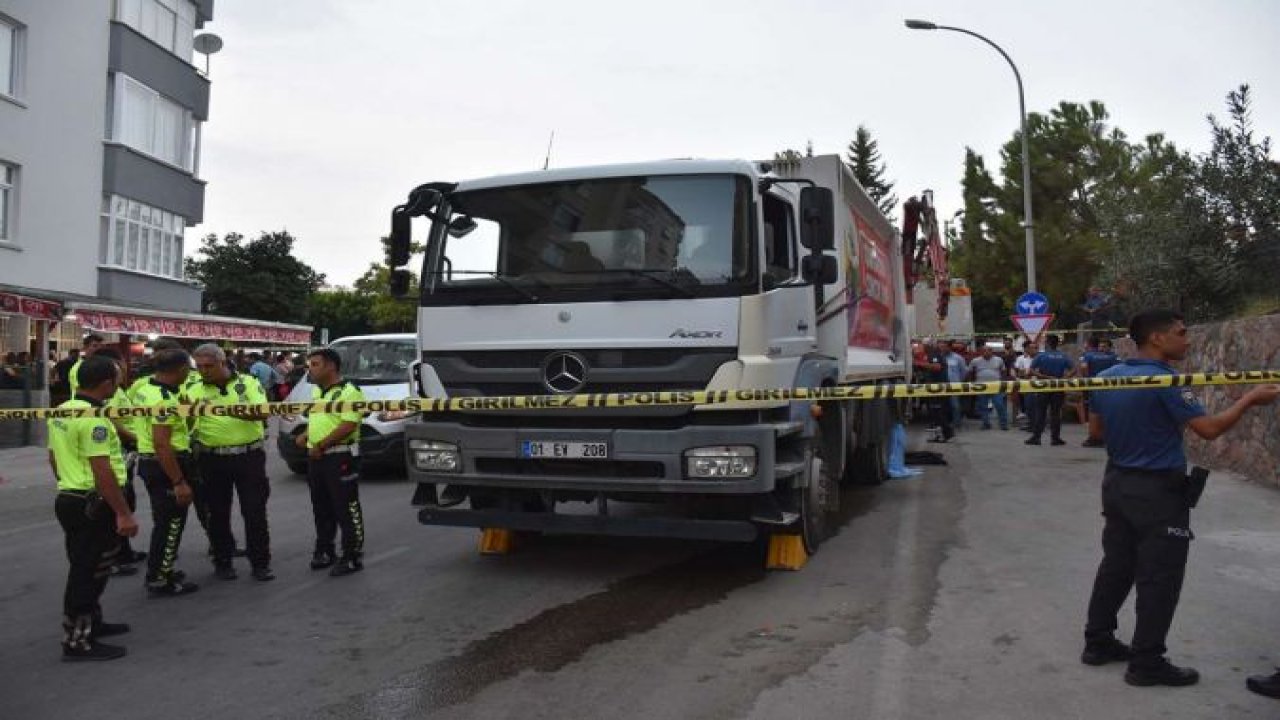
[[1052, 363], [1145, 502], [935, 371]]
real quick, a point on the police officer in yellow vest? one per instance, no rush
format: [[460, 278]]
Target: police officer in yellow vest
[[128, 558], [333, 466], [165, 464], [86, 458], [88, 347], [138, 392], [232, 461]]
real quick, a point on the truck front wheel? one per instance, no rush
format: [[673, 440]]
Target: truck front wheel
[[819, 498]]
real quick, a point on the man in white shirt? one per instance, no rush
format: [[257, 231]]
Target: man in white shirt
[[1022, 369]]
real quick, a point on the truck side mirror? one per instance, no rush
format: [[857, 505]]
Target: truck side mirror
[[817, 216], [398, 246], [819, 269], [399, 282]]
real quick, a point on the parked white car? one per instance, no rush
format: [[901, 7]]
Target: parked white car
[[379, 365]]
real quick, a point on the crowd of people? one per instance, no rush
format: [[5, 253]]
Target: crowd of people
[[959, 361], [206, 463]]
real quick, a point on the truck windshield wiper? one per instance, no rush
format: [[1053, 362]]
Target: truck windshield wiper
[[652, 274], [528, 295]]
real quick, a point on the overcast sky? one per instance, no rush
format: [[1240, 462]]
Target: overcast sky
[[326, 112]]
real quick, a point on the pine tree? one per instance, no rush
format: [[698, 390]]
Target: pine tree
[[864, 158]]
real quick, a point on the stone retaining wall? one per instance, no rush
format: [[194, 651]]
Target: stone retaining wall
[[1252, 448]]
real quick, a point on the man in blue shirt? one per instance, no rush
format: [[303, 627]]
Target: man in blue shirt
[[1097, 358], [1144, 501], [1052, 363]]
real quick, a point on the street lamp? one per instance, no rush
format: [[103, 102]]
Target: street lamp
[[1026, 147]]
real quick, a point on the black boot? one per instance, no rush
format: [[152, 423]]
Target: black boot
[[322, 559], [347, 564], [92, 651], [1162, 673], [1100, 651], [1268, 685]]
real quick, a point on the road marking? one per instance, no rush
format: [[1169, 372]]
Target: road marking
[[24, 528]]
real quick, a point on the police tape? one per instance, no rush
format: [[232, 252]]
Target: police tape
[[722, 399]]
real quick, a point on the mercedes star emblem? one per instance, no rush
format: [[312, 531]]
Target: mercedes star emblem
[[564, 373]]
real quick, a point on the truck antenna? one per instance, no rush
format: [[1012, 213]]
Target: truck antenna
[[547, 163]]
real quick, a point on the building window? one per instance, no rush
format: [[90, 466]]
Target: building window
[[142, 238], [8, 200], [171, 24], [147, 121], [11, 39]]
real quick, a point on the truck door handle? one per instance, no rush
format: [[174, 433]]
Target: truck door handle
[[802, 326]]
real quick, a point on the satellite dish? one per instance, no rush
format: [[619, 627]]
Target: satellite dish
[[206, 43]]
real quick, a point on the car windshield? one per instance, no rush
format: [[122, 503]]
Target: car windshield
[[662, 236], [376, 361]]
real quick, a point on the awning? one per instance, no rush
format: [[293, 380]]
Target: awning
[[31, 307], [108, 318]]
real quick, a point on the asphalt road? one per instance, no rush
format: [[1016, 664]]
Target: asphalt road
[[959, 594]]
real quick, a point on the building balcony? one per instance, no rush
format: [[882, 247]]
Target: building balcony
[[134, 55]]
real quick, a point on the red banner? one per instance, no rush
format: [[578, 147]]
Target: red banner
[[31, 307], [200, 329], [871, 317]]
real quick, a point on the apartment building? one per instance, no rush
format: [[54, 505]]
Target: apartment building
[[102, 106]]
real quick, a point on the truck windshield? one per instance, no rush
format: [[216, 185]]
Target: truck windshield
[[373, 362], [656, 237]]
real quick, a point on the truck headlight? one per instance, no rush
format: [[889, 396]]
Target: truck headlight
[[435, 456], [721, 461]]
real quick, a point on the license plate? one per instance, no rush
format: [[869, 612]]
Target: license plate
[[560, 450]]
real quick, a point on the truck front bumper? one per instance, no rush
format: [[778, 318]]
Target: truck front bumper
[[640, 460]]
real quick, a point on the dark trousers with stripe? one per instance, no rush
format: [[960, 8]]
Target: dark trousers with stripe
[[168, 520], [334, 480], [1144, 544], [89, 530], [225, 477]]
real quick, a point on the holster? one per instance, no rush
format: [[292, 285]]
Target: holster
[[1196, 480]]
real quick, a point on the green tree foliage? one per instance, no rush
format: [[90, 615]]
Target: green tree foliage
[[864, 158], [343, 311], [258, 279], [1240, 182]]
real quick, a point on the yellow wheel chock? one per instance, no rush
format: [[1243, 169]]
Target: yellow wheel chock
[[786, 552], [496, 541]]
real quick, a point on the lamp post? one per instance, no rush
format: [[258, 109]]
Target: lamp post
[[1026, 146]]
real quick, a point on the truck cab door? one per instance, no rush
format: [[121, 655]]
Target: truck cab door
[[788, 301]]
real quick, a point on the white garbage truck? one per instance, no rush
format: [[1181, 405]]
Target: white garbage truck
[[666, 276]]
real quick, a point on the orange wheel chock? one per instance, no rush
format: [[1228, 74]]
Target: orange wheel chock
[[496, 541], [786, 552]]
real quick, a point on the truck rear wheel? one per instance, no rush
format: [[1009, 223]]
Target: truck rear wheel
[[870, 464]]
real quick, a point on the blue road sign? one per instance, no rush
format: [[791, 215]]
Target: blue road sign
[[1032, 304]]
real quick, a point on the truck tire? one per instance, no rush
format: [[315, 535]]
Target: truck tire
[[870, 464], [819, 499]]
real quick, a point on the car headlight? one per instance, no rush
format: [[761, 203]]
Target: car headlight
[[387, 416], [435, 456], [721, 461]]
